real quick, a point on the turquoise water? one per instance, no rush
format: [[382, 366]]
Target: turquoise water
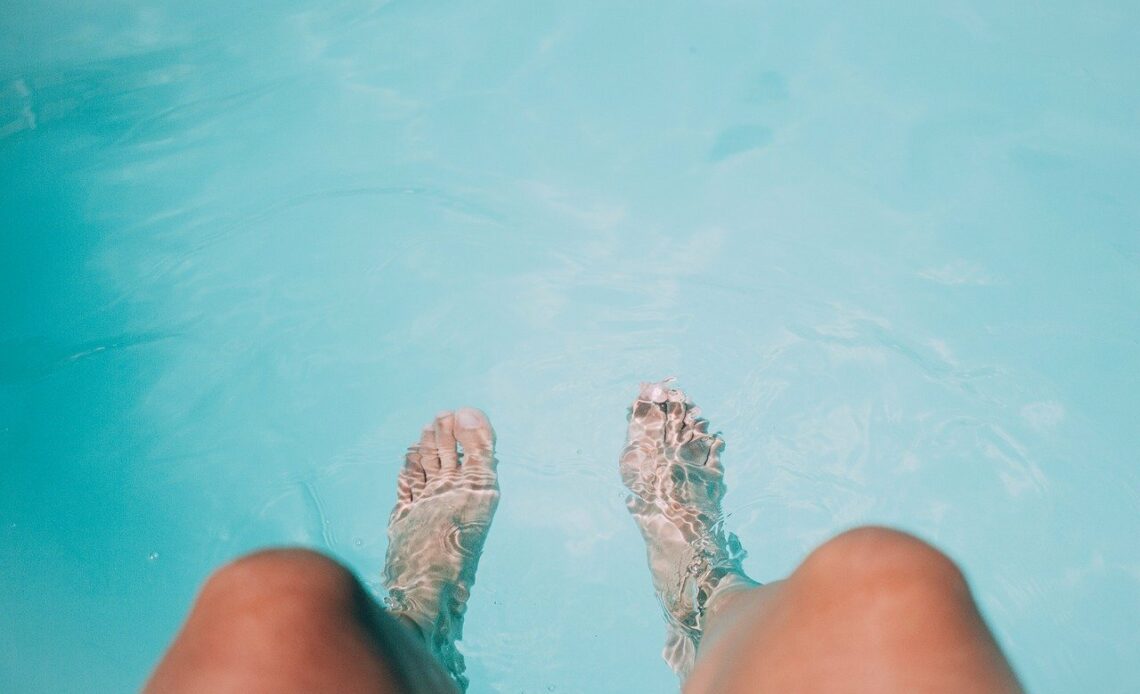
[[245, 252]]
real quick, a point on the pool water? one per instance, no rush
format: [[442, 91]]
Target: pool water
[[892, 250]]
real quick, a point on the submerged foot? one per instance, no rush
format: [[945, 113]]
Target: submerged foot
[[671, 465], [447, 496]]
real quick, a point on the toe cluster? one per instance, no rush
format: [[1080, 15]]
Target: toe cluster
[[664, 417], [459, 443]]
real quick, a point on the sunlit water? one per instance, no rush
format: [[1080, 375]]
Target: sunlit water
[[892, 250]]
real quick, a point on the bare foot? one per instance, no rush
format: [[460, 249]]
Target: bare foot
[[671, 465], [447, 496]]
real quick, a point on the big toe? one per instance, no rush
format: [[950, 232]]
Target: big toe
[[647, 414], [476, 437]]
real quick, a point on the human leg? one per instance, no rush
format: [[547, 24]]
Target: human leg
[[448, 493], [873, 610], [294, 621]]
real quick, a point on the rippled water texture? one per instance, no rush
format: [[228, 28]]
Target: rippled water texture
[[893, 251]]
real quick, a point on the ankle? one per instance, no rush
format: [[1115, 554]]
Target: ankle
[[731, 594]]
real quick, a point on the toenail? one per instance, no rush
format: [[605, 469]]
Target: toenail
[[468, 419]]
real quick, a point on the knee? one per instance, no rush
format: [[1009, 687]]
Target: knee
[[875, 562], [282, 582]]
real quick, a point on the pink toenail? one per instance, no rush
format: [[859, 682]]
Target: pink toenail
[[468, 419]]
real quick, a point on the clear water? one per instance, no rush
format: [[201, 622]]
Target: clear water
[[892, 249]]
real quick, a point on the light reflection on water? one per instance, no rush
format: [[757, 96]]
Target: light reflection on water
[[249, 253]]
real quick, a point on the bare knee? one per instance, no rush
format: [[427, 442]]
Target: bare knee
[[281, 620], [879, 562], [873, 609], [282, 582]]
